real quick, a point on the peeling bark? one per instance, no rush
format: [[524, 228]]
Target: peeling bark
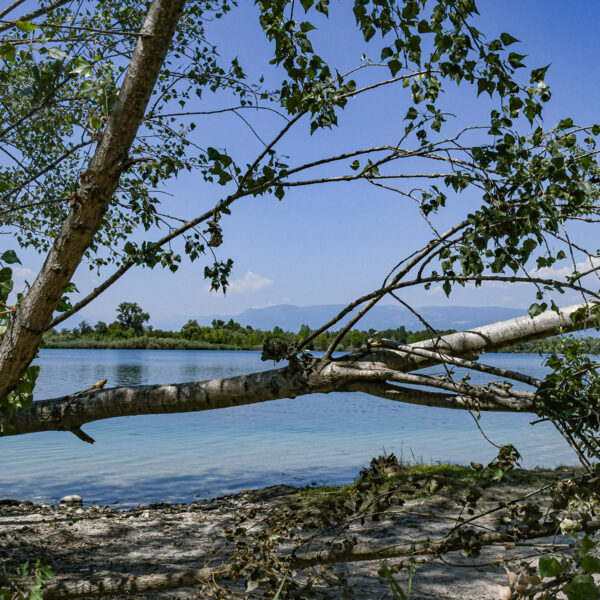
[[70, 412], [492, 337]]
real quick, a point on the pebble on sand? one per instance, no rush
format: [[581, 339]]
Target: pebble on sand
[[72, 499]]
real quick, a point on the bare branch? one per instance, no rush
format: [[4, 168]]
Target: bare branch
[[32, 15], [459, 362], [10, 8]]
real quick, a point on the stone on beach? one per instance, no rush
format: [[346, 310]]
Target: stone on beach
[[71, 499]]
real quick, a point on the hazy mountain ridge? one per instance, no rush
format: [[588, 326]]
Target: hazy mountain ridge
[[291, 317]]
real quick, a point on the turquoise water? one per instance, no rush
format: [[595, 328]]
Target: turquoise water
[[176, 458]]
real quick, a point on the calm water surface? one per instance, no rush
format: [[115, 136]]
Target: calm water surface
[[176, 458]]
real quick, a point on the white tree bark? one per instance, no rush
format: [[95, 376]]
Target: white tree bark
[[370, 372]]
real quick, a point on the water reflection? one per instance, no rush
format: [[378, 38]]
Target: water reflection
[[129, 374], [191, 373]]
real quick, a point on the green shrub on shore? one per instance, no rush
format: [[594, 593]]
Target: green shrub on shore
[[554, 345], [140, 343]]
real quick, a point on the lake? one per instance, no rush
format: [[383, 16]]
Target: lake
[[302, 441]]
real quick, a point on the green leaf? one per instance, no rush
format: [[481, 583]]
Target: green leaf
[[515, 104], [26, 26], [35, 593], [411, 113], [10, 257], [81, 67], [6, 285], [424, 26], [8, 53], [549, 567], [86, 90], [63, 305], [369, 32], [514, 60], [57, 53], [508, 39], [322, 7], [586, 545], [529, 245], [5, 274], [70, 288], [591, 564], [355, 165], [394, 65], [539, 74], [212, 153], [582, 587], [535, 309], [306, 27]]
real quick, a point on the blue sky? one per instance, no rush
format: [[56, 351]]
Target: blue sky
[[332, 243]]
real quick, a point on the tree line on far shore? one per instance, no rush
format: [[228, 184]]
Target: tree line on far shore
[[130, 331]]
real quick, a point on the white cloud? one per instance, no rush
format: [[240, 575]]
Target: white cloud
[[250, 282], [566, 271], [23, 273], [20, 276]]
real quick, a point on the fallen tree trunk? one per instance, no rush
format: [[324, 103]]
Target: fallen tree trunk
[[368, 371]]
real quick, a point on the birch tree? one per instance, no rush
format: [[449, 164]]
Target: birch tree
[[100, 108], [117, 86]]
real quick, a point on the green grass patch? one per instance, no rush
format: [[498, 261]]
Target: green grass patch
[[418, 480], [449, 477]]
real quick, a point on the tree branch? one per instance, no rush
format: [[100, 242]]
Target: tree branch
[[32, 15], [459, 362], [358, 371]]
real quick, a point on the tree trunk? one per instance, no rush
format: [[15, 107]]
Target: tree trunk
[[91, 200], [367, 372]]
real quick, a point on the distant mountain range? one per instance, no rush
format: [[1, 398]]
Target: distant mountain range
[[290, 317]]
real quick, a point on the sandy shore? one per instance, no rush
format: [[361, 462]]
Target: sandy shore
[[94, 548]]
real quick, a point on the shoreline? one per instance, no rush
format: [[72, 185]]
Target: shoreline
[[182, 344], [267, 491], [161, 551], [462, 472], [173, 344], [228, 348]]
